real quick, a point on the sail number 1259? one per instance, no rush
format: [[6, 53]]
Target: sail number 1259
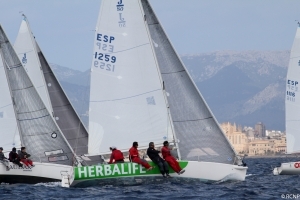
[[105, 57], [107, 61]]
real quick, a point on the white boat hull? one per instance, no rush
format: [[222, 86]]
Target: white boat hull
[[194, 171], [291, 168], [40, 173]]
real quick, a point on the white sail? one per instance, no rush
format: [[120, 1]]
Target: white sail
[[26, 50], [200, 136], [50, 89], [292, 100], [127, 102], [8, 125], [38, 130]]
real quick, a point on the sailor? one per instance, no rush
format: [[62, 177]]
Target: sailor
[[3, 159], [161, 163], [24, 156], [170, 159], [14, 157], [134, 157], [116, 155]]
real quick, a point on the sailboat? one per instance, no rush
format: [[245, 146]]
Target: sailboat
[[292, 112], [38, 132], [49, 89], [141, 91]]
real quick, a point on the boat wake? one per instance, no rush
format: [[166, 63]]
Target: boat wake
[[247, 175], [50, 184]]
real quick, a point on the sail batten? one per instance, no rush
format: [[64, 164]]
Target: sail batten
[[186, 103]]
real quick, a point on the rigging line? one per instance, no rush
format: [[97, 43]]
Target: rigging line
[[22, 88], [194, 120], [68, 104], [32, 111], [127, 97], [5, 41], [81, 125], [40, 86], [25, 52], [154, 23], [15, 67], [127, 49], [34, 118], [5, 106], [172, 72]]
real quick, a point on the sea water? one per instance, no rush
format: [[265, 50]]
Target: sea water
[[260, 183]]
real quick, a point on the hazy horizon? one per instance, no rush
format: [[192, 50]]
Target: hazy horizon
[[64, 29]]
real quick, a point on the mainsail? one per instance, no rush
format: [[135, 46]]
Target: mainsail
[[200, 136], [38, 131], [127, 102], [50, 89], [292, 100], [8, 125]]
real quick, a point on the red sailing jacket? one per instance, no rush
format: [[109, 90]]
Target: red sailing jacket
[[116, 155], [133, 152], [165, 151]]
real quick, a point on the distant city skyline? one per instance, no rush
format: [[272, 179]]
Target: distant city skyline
[[64, 29]]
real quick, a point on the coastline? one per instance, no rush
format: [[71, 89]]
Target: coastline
[[273, 156]]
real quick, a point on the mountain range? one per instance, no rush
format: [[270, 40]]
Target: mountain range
[[239, 87]]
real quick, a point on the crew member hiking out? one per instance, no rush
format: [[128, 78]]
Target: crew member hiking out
[[170, 159], [3, 159], [134, 156], [14, 157], [24, 156], [161, 163], [116, 155]]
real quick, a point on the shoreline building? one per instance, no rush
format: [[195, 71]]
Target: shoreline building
[[260, 130], [237, 138], [255, 141]]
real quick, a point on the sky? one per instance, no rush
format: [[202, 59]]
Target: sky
[[64, 28]]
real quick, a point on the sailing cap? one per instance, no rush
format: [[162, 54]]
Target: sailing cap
[[113, 147]]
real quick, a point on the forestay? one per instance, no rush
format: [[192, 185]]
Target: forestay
[[199, 134], [38, 131], [8, 125], [292, 100], [48, 86], [126, 99]]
